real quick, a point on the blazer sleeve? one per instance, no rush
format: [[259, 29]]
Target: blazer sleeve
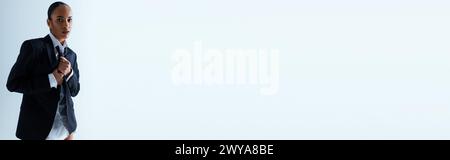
[[21, 78], [73, 82]]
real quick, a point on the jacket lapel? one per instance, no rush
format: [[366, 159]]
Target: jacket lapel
[[50, 52]]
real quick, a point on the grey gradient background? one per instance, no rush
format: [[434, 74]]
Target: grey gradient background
[[349, 69]]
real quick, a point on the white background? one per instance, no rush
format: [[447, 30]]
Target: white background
[[349, 69]]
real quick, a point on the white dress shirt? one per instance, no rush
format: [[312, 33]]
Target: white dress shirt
[[58, 131]]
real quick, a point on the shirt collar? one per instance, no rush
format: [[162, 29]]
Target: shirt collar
[[57, 43]]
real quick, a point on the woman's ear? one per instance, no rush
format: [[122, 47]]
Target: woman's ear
[[48, 23]]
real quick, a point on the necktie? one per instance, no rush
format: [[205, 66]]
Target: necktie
[[64, 87], [63, 54]]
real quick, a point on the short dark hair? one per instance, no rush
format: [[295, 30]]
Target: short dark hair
[[53, 7]]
